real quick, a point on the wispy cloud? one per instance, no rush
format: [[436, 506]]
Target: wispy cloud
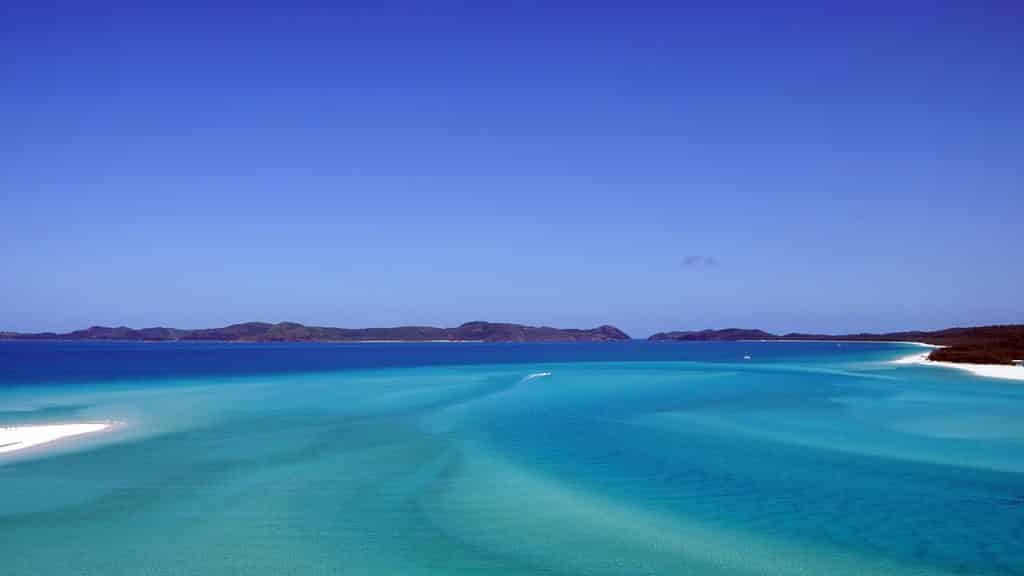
[[699, 261]]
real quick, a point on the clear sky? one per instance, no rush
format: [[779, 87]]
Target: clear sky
[[830, 166]]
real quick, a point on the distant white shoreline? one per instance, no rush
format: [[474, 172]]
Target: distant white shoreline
[[16, 438], [1004, 371], [922, 344]]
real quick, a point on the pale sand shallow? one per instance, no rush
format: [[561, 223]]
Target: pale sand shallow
[[1004, 371], [21, 437], [922, 344], [988, 370]]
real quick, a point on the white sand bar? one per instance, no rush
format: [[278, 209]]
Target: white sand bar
[[21, 437], [1006, 371]]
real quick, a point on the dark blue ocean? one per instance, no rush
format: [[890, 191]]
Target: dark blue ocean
[[467, 458]]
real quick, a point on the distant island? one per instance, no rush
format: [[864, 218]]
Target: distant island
[[294, 332], [976, 345]]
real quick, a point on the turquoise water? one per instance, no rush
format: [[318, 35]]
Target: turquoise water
[[636, 458]]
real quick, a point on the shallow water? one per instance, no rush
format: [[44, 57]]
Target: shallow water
[[631, 458]]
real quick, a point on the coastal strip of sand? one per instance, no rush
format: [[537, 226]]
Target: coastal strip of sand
[[1005, 371], [16, 438]]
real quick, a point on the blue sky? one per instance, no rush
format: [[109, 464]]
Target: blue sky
[[783, 165]]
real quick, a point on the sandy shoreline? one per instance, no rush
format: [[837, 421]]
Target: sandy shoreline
[[798, 340], [1005, 371], [17, 438]]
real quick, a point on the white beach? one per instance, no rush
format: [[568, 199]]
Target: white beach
[[1005, 371], [21, 437], [799, 340]]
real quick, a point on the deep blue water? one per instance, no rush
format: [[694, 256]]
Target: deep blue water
[[618, 458], [25, 362]]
